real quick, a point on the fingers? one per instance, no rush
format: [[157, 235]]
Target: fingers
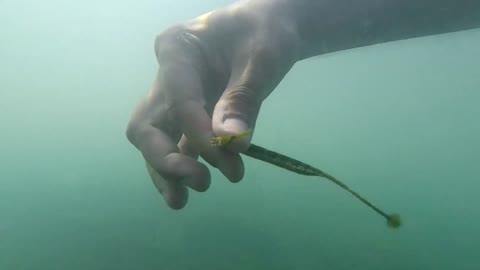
[[186, 148], [197, 127], [151, 131], [175, 106], [183, 78], [170, 171], [255, 74], [188, 171], [183, 171], [174, 193]]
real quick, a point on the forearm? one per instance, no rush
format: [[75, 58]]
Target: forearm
[[326, 26]]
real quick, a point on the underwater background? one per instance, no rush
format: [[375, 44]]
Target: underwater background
[[398, 122]]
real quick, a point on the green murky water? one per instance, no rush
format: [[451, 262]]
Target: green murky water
[[397, 122]]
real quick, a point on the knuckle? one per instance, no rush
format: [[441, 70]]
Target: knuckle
[[130, 132], [164, 42], [177, 42], [134, 132]]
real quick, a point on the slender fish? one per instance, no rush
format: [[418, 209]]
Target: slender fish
[[291, 164]]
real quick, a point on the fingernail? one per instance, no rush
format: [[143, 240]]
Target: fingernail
[[234, 125]]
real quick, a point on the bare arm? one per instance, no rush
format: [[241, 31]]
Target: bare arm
[[326, 26]]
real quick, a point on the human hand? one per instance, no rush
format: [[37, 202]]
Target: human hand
[[214, 74]]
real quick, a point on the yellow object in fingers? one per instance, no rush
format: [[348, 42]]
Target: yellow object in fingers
[[227, 139]]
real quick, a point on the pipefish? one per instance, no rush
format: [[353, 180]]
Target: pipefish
[[288, 163]]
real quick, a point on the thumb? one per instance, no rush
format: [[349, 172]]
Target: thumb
[[235, 113], [253, 78]]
